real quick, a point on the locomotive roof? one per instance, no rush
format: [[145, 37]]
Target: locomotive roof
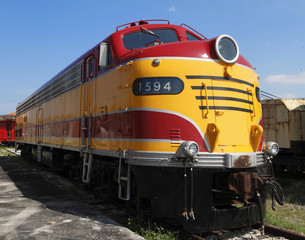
[[125, 28], [116, 37]]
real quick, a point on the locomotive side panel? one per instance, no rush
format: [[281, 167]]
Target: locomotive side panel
[[72, 120]]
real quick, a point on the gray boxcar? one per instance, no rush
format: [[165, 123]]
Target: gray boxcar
[[284, 123]]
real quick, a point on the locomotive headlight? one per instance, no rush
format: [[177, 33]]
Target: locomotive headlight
[[190, 148], [227, 49], [272, 148]]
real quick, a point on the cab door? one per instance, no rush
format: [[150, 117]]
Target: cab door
[[87, 99]]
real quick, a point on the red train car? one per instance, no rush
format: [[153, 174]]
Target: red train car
[[7, 128]]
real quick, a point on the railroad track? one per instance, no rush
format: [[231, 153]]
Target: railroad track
[[274, 231], [270, 232], [13, 151]]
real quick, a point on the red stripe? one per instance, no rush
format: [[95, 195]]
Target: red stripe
[[66, 129], [126, 125], [145, 125]]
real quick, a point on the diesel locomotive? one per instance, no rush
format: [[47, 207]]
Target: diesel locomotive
[[168, 118]]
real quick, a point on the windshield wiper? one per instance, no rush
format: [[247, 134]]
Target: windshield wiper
[[150, 32]]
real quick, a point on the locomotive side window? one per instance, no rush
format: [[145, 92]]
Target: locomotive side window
[[147, 37], [90, 67], [105, 55], [157, 86], [191, 37]]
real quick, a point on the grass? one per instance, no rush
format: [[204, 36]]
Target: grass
[[291, 215], [150, 231], [3, 152]]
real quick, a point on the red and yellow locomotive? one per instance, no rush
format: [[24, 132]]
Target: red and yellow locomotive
[[173, 116]]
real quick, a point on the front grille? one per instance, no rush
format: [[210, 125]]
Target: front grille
[[223, 93]]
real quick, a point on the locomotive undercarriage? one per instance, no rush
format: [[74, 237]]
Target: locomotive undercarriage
[[200, 199]]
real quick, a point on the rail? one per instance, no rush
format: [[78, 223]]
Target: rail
[[274, 231]]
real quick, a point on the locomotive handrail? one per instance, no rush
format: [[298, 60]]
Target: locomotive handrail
[[253, 112], [141, 22], [183, 24], [206, 99]]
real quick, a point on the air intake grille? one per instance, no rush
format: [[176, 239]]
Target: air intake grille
[[223, 93]]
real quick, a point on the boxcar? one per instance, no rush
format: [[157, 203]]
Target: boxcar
[[284, 122]]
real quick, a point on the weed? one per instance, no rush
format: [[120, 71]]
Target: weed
[[150, 231], [292, 214]]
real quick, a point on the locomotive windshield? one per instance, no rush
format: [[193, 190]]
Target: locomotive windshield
[[146, 38]]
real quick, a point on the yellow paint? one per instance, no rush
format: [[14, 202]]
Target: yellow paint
[[113, 92]]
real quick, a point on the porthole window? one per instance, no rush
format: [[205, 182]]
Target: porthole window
[[227, 49]]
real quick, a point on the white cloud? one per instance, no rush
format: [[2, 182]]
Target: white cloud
[[172, 9], [287, 78], [290, 95]]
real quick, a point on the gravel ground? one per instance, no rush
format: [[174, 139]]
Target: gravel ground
[[243, 234], [32, 206]]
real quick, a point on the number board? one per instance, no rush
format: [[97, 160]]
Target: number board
[[157, 86]]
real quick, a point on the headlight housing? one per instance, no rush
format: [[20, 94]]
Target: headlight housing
[[187, 149], [272, 148], [190, 148], [227, 49]]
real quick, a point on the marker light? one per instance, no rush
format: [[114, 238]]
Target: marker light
[[156, 62]]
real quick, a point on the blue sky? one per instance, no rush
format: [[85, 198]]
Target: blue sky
[[38, 38]]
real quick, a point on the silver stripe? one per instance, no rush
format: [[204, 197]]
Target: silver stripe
[[168, 159], [132, 140], [203, 160], [190, 59]]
